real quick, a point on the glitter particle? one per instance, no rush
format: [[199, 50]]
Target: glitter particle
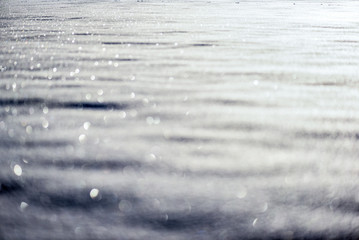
[[17, 170], [45, 123], [94, 193], [28, 130], [82, 138], [255, 222], [87, 125], [23, 206], [242, 192]]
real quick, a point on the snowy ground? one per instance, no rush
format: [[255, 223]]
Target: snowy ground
[[179, 120]]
